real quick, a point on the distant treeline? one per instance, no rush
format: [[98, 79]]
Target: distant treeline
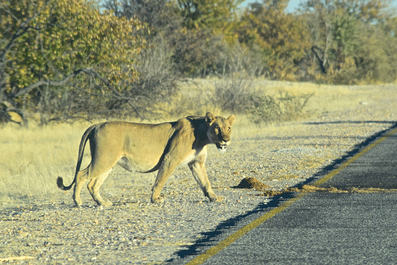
[[67, 58]]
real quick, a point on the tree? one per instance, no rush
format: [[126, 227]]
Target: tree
[[47, 46], [157, 15], [217, 15], [193, 50], [281, 37], [350, 39]]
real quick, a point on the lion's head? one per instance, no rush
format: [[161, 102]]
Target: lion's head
[[219, 130]]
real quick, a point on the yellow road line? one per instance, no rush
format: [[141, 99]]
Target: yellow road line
[[351, 160], [230, 239]]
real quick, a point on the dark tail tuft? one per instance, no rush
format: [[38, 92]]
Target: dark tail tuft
[[60, 184]]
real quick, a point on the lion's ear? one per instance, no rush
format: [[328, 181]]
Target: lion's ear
[[231, 119], [209, 118]]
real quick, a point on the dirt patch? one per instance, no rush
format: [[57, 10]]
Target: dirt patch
[[310, 188], [251, 183]]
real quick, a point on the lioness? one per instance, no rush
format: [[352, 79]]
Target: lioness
[[147, 148]]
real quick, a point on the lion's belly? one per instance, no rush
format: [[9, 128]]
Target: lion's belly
[[143, 153], [142, 161], [132, 166]]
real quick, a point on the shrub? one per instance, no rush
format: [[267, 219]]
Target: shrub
[[232, 94], [285, 107]]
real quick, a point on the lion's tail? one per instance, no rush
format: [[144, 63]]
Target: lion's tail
[[83, 141]]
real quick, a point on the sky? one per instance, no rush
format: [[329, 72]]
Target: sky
[[293, 4]]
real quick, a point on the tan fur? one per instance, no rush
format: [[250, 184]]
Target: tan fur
[[147, 148]]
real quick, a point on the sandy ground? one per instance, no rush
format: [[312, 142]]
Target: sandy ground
[[50, 230]]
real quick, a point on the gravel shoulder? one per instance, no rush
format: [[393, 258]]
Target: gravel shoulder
[[52, 231]]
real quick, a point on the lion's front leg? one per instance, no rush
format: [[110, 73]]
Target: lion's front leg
[[200, 175], [164, 173]]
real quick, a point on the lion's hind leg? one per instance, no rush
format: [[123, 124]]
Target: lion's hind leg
[[81, 178], [94, 185]]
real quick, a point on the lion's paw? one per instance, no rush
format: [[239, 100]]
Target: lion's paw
[[157, 200], [78, 203], [106, 204], [216, 199]]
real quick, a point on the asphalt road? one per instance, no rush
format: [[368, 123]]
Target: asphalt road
[[320, 227]]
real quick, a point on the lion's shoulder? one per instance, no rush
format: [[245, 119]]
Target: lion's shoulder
[[190, 123]]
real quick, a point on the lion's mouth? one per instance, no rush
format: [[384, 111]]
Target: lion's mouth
[[222, 146]]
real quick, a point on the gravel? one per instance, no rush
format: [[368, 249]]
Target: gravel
[[51, 231]]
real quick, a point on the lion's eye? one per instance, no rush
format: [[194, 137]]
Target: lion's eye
[[229, 129], [217, 130]]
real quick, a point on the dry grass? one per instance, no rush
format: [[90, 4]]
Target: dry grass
[[32, 158], [327, 98]]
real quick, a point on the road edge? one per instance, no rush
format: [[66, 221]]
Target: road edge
[[200, 259]]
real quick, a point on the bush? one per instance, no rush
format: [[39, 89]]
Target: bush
[[241, 60], [285, 107], [157, 81], [232, 94], [235, 94]]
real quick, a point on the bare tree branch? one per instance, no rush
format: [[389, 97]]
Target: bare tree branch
[[321, 62], [45, 82], [94, 73], [88, 71], [22, 29]]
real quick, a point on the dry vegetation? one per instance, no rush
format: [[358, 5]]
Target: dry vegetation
[[32, 157]]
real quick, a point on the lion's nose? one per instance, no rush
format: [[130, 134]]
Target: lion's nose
[[224, 144]]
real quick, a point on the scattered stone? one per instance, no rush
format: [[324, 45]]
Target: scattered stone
[[48, 229]]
